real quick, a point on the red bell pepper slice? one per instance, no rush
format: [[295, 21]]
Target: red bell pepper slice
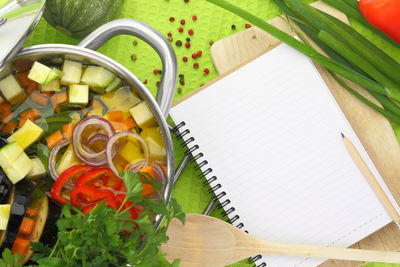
[[100, 177], [70, 174], [84, 195]]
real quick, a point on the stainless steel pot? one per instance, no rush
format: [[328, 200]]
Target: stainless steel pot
[[84, 52]]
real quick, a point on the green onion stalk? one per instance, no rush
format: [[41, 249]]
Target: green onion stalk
[[349, 54]]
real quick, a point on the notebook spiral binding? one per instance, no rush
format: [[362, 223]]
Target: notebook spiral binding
[[211, 180]]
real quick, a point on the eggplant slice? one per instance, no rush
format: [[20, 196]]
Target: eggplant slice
[[20, 199]]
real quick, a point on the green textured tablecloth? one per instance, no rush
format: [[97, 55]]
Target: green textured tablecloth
[[212, 24]]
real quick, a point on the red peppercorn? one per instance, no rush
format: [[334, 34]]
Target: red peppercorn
[[247, 26], [206, 71], [182, 81], [185, 59], [145, 81], [186, 1], [155, 71], [196, 65], [180, 29], [194, 17], [199, 53], [169, 34], [172, 19], [194, 56], [187, 45], [190, 32], [158, 83], [183, 22]]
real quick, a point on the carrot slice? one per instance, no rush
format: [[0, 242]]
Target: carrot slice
[[21, 245], [54, 139], [32, 212], [148, 189], [27, 226], [9, 127], [67, 130], [96, 104], [129, 123], [39, 98], [57, 99], [31, 114], [23, 79], [119, 126], [31, 88], [115, 115]]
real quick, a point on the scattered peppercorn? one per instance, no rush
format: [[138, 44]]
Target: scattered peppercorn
[[211, 42], [233, 27], [247, 25], [180, 29], [178, 43], [186, 1], [183, 22], [199, 53], [181, 76], [194, 17], [188, 39], [196, 65], [155, 72], [145, 81], [194, 56], [179, 90], [159, 71], [158, 83], [185, 59], [172, 19], [191, 32], [170, 39], [206, 71], [134, 43], [182, 81], [187, 45], [133, 57], [169, 34]]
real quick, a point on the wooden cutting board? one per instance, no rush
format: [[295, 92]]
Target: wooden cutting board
[[373, 130]]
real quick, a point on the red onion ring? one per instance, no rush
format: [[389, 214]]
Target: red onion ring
[[114, 139], [52, 160], [159, 173], [136, 166], [94, 159], [97, 138]]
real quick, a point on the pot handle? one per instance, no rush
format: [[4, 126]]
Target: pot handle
[[155, 39]]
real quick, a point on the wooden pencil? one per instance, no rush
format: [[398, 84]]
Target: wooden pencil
[[372, 180]]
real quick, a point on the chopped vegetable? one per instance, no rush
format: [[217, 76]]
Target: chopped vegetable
[[4, 215], [27, 226], [97, 78], [39, 72], [53, 86], [20, 246], [142, 115], [68, 159], [78, 94], [9, 127], [11, 90], [72, 72], [39, 98], [54, 139], [38, 170], [114, 85], [67, 130], [69, 175], [19, 169], [28, 134], [115, 115], [132, 152], [153, 138]]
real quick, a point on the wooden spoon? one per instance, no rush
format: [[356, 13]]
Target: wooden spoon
[[206, 241]]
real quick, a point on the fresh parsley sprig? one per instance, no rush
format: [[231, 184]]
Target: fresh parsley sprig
[[99, 238]]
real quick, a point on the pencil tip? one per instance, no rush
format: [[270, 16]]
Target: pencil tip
[[342, 135]]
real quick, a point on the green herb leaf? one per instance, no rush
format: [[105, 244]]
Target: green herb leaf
[[10, 260]]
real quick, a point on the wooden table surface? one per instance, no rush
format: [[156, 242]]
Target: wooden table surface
[[374, 131]]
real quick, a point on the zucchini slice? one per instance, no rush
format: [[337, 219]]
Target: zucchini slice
[[20, 199]]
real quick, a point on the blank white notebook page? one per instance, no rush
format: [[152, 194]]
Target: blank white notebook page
[[270, 131]]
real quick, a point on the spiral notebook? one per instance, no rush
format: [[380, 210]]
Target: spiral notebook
[[267, 139]]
